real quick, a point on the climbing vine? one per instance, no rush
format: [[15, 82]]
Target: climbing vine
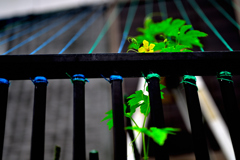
[[166, 36]]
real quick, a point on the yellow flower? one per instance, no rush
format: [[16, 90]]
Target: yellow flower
[[146, 47]]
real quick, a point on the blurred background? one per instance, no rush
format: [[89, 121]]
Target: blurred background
[[102, 26]]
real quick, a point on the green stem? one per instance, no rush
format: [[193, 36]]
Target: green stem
[[143, 135], [144, 148], [133, 121]]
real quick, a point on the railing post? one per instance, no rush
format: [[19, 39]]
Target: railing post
[[4, 84], [196, 119], [231, 109], [119, 134], [38, 124], [93, 155], [156, 113], [79, 142]]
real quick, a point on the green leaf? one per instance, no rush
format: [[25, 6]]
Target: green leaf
[[138, 99], [133, 46], [159, 46], [157, 134], [162, 86], [145, 106], [134, 43], [109, 116], [190, 38], [174, 27], [196, 33], [110, 124], [184, 29], [177, 48]]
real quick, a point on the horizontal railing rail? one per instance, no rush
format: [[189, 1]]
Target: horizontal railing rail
[[125, 64], [79, 66]]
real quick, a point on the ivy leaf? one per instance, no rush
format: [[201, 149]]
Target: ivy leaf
[[110, 116], [157, 134], [138, 99], [174, 27], [190, 38], [196, 33], [145, 106], [161, 87], [184, 29], [159, 46]]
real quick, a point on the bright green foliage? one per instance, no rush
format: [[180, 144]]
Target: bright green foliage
[[134, 44], [161, 87], [177, 48], [139, 99], [159, 46], [172, 32], [110, 116], [157, 134]]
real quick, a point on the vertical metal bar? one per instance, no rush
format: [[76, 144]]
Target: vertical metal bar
[[119, 134], [93, 155], [3, 110], [156, 113], [38, 125], [231, 109], [196, 119], [79, 143]]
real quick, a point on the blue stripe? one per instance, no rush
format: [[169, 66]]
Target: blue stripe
[[220, 9], [62, 30], [24, 32], [210, 25], [20, 27], [109, 22], [42, 31], [131, 13], [84, 27]]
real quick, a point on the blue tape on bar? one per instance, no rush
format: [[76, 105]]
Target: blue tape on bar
[[115, 77], [79, 77], [40, 79], [4, 81]]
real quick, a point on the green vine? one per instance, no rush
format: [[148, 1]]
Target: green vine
[[166, 36]]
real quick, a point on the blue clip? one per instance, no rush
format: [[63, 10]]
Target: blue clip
[[4, 81], [115, 77], [40, 79], [79, 77]]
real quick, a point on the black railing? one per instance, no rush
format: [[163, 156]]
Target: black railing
[[79, 66]]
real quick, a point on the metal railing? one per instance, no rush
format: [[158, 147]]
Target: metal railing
[[79, 66]]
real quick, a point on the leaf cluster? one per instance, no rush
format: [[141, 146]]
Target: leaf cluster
[[159, 135], [168, 36], [138, 99]]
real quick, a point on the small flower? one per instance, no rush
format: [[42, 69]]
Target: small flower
[[146, 47]]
